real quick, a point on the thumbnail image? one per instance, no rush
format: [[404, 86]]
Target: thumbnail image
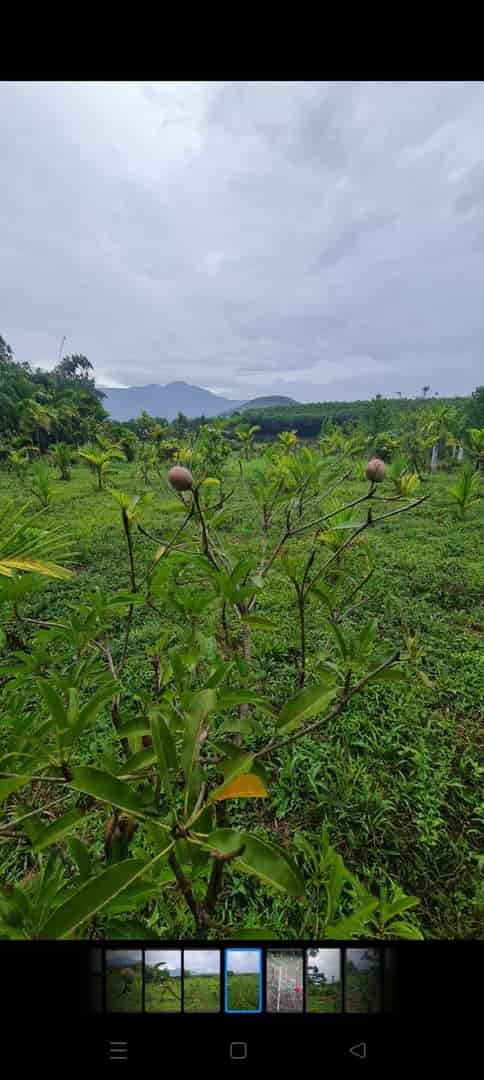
[[362, 974], [124, 980], [323, 981], [284, 981], [96, 981], [163, 980], [201, 980], [243, 980]]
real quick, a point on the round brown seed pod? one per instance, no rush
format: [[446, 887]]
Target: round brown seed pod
[[180, 478], [375, 470]]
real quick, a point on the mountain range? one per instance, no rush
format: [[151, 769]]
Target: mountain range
[[127, 403]]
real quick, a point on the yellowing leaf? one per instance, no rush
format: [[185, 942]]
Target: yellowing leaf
[[34, 566], [247, 786]]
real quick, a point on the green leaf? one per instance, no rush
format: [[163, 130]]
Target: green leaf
[[90, 898], [343, 527], [73, 707], [391, 674], [172, 508], [219, 674], [244, 725], [52, 833], [201, 705], [267, 861], [210, 481], [106, 788], [165, 751], [401, 929], [340, 641], [90, 710], [141, 760], [244, 697], [128, 929], [398, 905], [353, 924], [54, 704], [241, 569], [139, 726], [124, 598], [424, 679], [9, 786], [254, 934], [258, 623], [237, 763], [134, 895], [81, 856], [307, 703]]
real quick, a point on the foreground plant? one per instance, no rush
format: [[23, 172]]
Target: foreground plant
[[195, 754], [466, 491]]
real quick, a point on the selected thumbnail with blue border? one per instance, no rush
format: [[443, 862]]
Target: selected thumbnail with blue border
[[259, 973]]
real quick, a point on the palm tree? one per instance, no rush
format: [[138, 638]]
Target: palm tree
[[34, 418], [436, 429], [476, 439], [27, 548], [465, 491], [62, 457], [100, 462], [245, 434]]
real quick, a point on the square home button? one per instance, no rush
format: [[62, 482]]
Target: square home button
[[238, 1051]]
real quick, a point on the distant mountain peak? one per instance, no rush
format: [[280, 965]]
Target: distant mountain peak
[[126, 403]]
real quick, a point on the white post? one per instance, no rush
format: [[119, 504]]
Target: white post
[[460, 453], [434, 458]]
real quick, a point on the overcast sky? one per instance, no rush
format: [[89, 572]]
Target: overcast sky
[[299, 238], [243, 961], [202, 961]]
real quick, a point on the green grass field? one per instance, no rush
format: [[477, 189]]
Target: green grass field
[[325, 998], [116, 999], [201, 993], [242, 992], [165, 997], [397, 778]]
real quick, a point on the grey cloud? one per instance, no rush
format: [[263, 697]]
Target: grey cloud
[[254, 236], [471, 196], [342, 240]]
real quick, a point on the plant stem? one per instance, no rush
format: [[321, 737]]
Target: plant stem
[[340, 705]]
